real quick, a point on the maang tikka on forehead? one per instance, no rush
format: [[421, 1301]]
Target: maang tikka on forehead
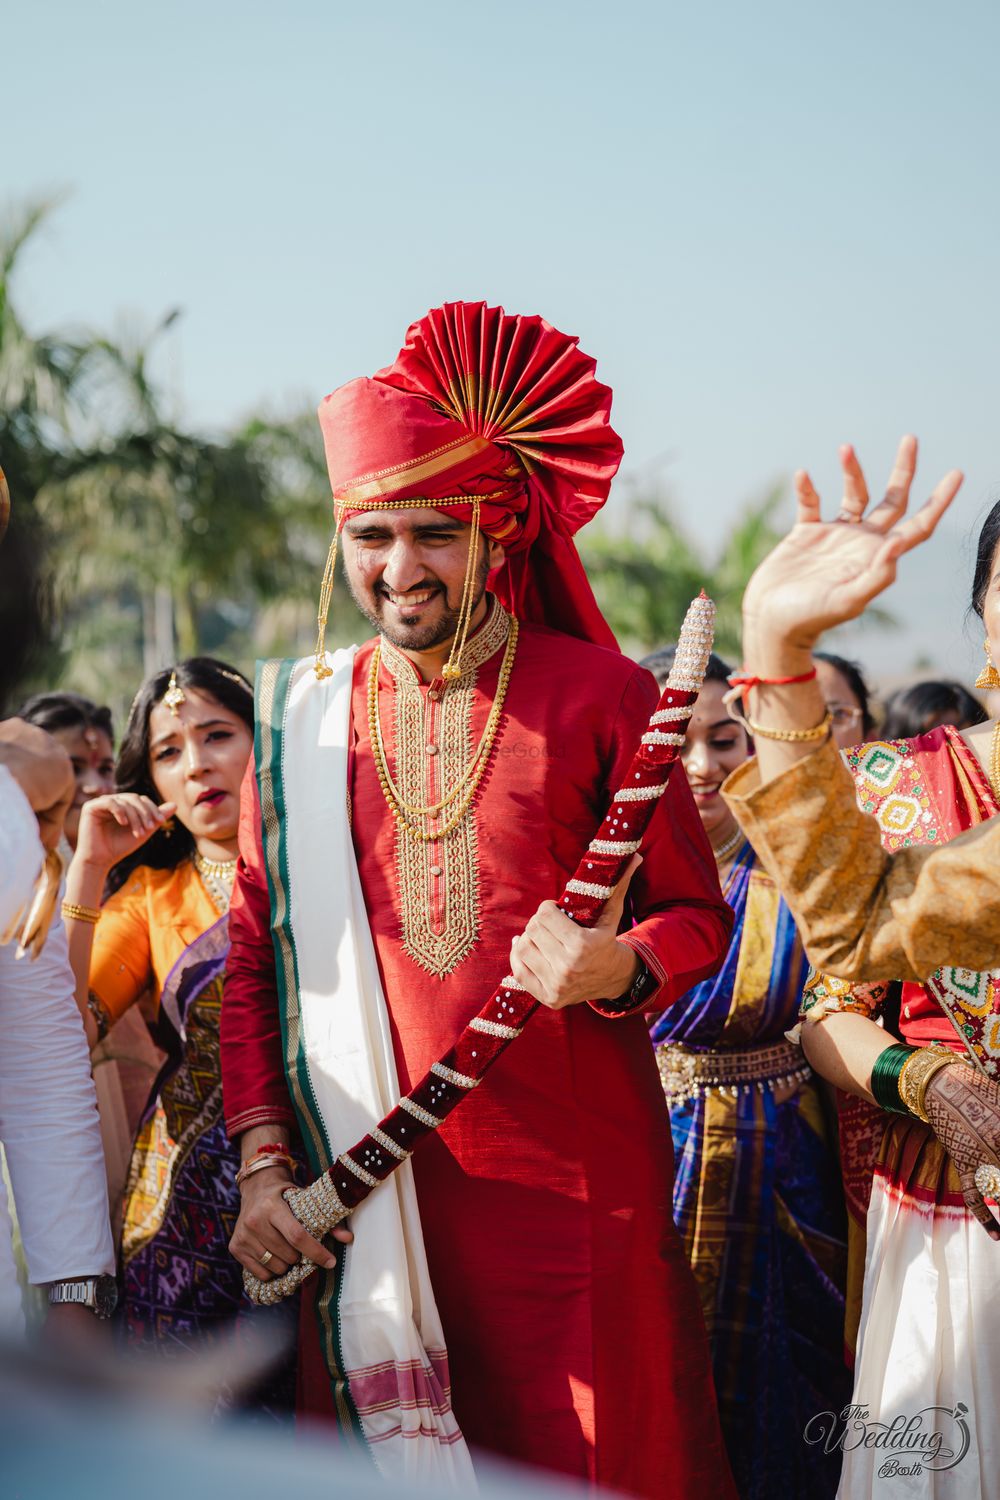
[[174, 696]]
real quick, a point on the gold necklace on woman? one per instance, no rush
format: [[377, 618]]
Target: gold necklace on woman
[[995, 761], [728, 846], [217, 876], [468, 782]]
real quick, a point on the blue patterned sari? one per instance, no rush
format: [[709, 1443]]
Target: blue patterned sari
[[758, 1197]]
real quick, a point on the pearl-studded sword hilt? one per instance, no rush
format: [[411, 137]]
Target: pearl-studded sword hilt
[[322, 1205]]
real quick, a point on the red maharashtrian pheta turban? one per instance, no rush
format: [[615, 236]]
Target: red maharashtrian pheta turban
[[501, 415]]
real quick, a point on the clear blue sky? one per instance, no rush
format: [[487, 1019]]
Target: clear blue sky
[[776, 226]]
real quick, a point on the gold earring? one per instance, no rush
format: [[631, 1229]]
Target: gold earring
[[989, 677]]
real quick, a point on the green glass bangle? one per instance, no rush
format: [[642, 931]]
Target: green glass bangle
[[885, 1077]]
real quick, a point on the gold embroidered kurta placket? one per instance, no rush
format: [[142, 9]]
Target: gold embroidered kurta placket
[[434, 746]]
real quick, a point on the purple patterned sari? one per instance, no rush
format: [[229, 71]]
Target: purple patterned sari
[[180, 1285]]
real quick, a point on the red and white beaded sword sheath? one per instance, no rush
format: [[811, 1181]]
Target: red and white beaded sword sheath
[[354, 1174]]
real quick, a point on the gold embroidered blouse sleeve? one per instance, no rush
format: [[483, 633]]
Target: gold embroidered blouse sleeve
[[863, 913]]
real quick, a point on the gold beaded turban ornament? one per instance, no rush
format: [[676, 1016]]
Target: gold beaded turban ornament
[[500, 422]]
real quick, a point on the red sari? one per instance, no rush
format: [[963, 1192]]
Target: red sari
[[926, 790], [574, 1332]]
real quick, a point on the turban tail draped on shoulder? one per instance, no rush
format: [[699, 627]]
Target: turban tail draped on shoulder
[[506, 411]]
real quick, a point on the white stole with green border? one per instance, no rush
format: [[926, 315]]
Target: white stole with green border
[[379, 1323]]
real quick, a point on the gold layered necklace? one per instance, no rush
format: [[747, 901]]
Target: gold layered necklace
[[217, 876], [462, 793], [729, 847]]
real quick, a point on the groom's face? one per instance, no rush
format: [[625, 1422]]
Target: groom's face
[[406, 572]]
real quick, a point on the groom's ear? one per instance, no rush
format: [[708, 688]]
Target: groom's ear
[[495, 553]]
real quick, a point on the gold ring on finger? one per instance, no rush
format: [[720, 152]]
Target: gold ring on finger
[[266, 1257], [988, 1180]]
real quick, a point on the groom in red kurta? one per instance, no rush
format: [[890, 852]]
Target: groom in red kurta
[[570, 1315]]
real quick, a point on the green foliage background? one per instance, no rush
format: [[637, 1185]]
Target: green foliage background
[[137, 540]]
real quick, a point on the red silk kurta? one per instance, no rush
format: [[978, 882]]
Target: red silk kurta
[[573, 1326]]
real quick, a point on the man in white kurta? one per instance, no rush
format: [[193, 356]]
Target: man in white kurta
[[48, 1109]]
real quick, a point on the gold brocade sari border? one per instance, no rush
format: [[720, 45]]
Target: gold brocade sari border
[[156, 1161], [756, 958]]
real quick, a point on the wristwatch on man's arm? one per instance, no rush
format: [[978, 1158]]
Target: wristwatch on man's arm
[[98, 1293], [642, 987]]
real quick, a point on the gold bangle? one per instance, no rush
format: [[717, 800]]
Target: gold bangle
[[260, 1163], [793, 736], [916, 1074], [72, 912]]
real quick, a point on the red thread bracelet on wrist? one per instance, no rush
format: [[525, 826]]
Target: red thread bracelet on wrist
[[272, 1148], [746, 680]]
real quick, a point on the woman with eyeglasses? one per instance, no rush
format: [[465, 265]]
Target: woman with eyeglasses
[[757, 1195], [848, 698]]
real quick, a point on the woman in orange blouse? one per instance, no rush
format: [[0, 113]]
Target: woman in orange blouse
[[165, 846]]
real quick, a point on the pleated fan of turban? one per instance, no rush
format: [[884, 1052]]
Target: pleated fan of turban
[[482, 406]]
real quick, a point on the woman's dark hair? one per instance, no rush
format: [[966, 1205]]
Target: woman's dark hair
[[54, 711], [924, 705], [851, 671], [989, 539], [173, 843], [659, 663]]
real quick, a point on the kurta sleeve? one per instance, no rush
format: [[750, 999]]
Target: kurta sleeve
[[48, 1120], [254, 1091], [120, 960], [681, 920], [21, 852], [863, 913]]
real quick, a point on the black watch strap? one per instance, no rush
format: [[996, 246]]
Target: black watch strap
[[642, 986]]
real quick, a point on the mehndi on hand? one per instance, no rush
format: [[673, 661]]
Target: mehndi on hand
[[963, 1107]]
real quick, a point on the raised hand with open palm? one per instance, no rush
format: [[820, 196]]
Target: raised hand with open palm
[[824, 573]]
